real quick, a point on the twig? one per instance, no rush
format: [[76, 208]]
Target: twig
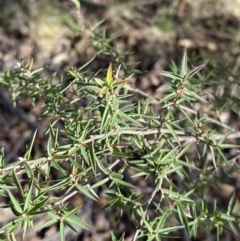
[[209, 118], [186, 136], [156, 101], [183, 136], [64, 198], [145, 212]]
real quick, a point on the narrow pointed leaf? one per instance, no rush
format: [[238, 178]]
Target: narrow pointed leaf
[[28, 198], [109, 78], [16, 206], [18, 184], [184, 64], [169, 127]]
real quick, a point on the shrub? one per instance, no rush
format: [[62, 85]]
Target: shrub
[[153, 159]]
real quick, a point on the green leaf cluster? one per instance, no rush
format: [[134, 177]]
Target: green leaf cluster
[[99, 137]]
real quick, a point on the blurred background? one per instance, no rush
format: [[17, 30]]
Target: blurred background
[[146, 35]]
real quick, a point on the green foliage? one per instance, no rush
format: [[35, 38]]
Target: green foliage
[[112, 142]]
